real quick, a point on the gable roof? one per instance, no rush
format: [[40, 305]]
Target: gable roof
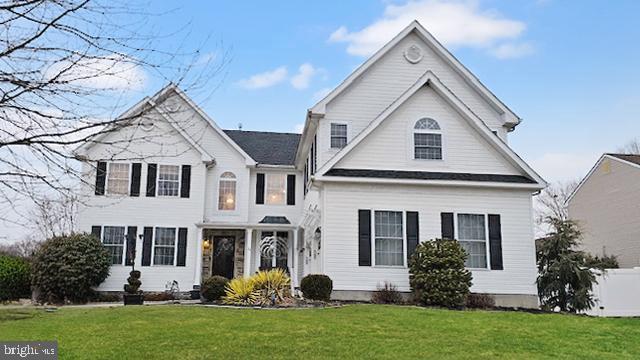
[[510, 117], [430, 175], [431, 80], [269, 148], [628, 159]]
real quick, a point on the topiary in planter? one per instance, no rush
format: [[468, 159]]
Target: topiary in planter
[[316, 287], [15, 278], [437, 274], [66, 268], [213, 288]]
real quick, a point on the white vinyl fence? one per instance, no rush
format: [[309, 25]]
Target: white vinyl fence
[[617, 293]]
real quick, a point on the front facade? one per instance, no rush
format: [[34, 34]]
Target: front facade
[[606, 205], [410, 147]]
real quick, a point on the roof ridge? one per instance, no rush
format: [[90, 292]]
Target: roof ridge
[[263, 132]]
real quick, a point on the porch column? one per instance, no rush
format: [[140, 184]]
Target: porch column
[[248, 239], [198, 270], [294, 259]]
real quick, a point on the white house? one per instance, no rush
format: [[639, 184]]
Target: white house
[[410, 147]]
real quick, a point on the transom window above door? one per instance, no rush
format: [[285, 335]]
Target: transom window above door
[[338, 135], [427, 140]]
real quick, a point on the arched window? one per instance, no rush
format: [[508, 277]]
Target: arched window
[[227, 192], [427, 140]]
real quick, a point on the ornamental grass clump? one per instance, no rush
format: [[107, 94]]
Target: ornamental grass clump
[[437, 274], [241, 291], [273, 285]]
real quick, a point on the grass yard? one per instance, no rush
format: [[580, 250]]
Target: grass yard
[[356, 331]]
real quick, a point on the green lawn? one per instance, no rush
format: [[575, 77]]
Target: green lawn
[[356, 331]]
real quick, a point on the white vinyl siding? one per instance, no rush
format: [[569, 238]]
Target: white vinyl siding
[[113, 239], [472, 235], [118, 179], [168, 180], [164, 246], [389, 239]]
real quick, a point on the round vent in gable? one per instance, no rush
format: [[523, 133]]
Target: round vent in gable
[[413, 54]]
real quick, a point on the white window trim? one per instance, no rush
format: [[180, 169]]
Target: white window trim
[[427, 131], [124, 245], [404, 239], [266, 188], [158, 181], [153, 246], [345, 123], [106, 189], [235, 195], [486, 236]]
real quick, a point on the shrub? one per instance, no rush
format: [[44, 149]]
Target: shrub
[[387, 294], [480, 301], [212, 288], [158, 296], [602, 263], [66, 268], [105, 297], [15, 278], [273, 285], [133, 286], [316, 287], [240, 291], [437, 274]]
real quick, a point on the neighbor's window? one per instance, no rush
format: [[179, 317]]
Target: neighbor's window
[[389, 239], [164, 246], [427, 140], [168, 180], [276, 189], [338, 135], [473, 238], [227, 192], [118, 179], [113, 239]]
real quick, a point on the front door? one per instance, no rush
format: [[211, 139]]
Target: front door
[[223, 250]]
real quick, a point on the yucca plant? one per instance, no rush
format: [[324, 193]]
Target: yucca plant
[[273, 285], [240, 291]]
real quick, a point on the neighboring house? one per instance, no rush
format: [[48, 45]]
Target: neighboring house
[[606, 205], [410, 147]]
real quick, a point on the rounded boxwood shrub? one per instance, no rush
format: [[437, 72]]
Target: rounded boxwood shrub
[[316, 287], [15, 278], [66, 268], [213, 288], [437, 274]]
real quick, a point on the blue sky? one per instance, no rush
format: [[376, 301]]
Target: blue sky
[[568, 68]]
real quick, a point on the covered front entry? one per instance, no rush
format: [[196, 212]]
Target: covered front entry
[[226, 252]]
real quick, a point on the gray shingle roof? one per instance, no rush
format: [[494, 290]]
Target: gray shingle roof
[[269, 148], [428, 175], [632, 158], [275, 220]]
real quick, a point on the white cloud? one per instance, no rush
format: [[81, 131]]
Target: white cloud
[[320, 94], [457, 23], [302, 79], [512, 50], [108, 73], [298, 128], [265, 79], [555, 167]]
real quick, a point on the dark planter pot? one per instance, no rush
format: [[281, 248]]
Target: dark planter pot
[[133, 299], [195, 294]]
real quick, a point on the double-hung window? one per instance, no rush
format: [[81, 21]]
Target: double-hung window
[[168, 180], [427, 140], [113, 239], [338, 135], [276, 189], [389, 240], [118, 179], [472, 236], [164, 246], [227, 192]]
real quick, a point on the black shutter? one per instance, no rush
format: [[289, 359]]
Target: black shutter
[[259, 188], [495, 242], [101, 177], [412, 232], [182, 247], [151, 179], [446, 220], [185, 184], [364, 237], [96, 230], [132, 232], [291, 189], [146, 246], [136, 169]]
